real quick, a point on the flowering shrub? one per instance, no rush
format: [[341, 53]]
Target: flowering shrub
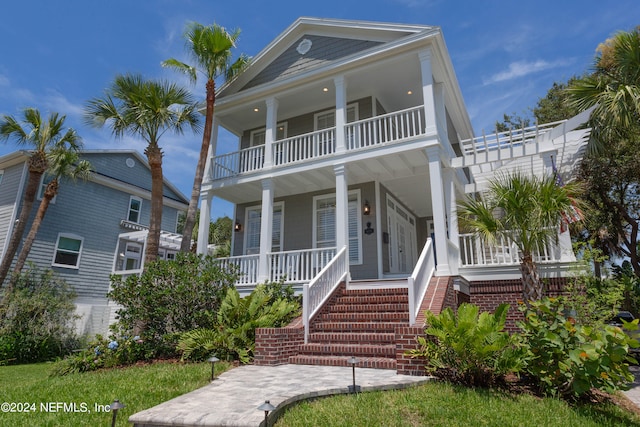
[[105, 353], [568, 359]]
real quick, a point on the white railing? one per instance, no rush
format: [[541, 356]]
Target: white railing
[[387, 128], [243, 161], [509, 139], [474, 251], [419, 280], [299, 266], [246, 266], [316, 293], [304, 147]]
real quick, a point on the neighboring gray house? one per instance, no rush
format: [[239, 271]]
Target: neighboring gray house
[[92, 228], [354, 148]]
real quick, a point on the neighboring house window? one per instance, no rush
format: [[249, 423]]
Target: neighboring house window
[[166, 254], [132, 256], [68, 250], [135, 206], [324, 224], [253, 226], [44, 181]]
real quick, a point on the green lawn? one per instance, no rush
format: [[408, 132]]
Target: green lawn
[[141, 387], [29, 387], [438, 404]]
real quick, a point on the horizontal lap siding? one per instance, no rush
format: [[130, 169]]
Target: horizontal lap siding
[[9, 199]]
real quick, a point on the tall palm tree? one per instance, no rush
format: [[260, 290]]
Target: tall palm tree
[[525, 210], [64, 162], [613, 87], [39, 135], [148, 109], [210, 49]]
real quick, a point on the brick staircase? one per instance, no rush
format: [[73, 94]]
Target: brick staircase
[[358, 323]]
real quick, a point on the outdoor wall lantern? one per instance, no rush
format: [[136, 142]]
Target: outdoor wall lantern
[[238, 226], [114, 407], [213, 361], [366, 209], [353, 388], [266, 407], [368, 230]]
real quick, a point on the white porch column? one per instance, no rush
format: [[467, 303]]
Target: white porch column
[[440, 111], [341, 113], [452, 217], [203, 224], [266, 229], [427, 91], [270, 131], [439, 207], [213, 145], [342, 207]]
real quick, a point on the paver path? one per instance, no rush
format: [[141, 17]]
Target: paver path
[[233, 398]]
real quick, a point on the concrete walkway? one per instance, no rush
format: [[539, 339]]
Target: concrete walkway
[[233, 398], [633, 394]]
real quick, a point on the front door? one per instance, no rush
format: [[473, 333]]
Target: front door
[[402, 238]]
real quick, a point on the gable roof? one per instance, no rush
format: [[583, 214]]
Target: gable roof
[[332, 41]]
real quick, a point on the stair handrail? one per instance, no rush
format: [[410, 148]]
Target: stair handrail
[[420, 278], [318, 291]]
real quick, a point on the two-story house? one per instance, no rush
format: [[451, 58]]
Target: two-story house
[[354, 148], [92, 228]]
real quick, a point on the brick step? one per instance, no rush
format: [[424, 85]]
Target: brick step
[[363, 362], [365, 308], [387, 327], [352, 337], [382, 291], [372, 299], [339, 349], [364, 317]]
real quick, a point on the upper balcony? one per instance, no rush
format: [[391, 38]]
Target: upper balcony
[[384, 130]]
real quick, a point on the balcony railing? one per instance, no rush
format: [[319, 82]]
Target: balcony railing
[[380, 130], [475, 252], [387, 128]]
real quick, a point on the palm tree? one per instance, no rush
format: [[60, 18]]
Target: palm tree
[[613, 87], [39, 135], [148, 109], [525, 210], [63, 162], [210, 48]]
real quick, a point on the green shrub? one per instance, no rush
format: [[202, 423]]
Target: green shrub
[[36, 318], [233, 337], [170, 297], [468, 347], [567, 359]]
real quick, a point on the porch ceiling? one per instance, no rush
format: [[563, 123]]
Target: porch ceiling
[[388, 80], [405, 175]]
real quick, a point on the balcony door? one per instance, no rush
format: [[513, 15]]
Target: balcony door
[[325, 143], [402, 238]]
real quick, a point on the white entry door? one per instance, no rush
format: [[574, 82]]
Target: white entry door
[[402, 238]]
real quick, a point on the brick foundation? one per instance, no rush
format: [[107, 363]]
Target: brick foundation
[[274, 346], [488, 295], [405, 341]]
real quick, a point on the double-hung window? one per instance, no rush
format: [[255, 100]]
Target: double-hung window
[[253, 226], [44, 182], [324, 224], [135, 206], [68, 250]]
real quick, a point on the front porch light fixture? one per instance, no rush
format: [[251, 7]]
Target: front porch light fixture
[[366, 209], [237, 226], [266, 407], [213, 361], [353, 388], [114, 407]]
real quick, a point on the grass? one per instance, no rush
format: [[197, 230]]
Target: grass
[[138, 387], [439, 404]]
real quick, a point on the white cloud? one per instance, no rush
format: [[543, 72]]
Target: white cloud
[[524, 68]]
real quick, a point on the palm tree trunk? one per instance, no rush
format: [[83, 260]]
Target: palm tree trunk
[[36, 170], [531, 283], [49, 194], [190, 219], [154, 156]]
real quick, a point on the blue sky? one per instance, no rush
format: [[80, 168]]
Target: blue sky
[[55, 55]]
